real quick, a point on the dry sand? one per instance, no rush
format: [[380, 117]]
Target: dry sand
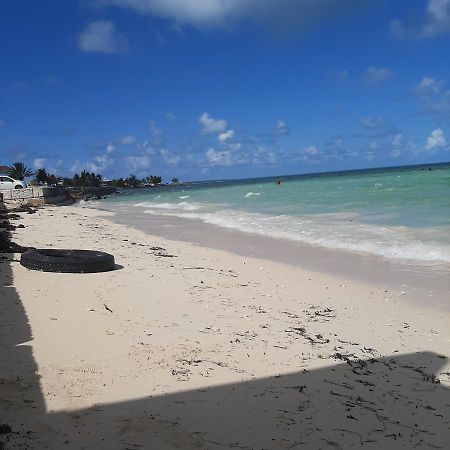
[[189, 347]]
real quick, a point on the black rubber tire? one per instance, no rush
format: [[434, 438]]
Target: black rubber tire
[[67, 261], [18, 186]]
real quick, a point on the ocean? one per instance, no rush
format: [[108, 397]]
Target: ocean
[[397, 213]]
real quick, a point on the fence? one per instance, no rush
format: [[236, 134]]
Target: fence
[[46, 193]]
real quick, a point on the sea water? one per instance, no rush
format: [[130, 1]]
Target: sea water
[[401, 213]]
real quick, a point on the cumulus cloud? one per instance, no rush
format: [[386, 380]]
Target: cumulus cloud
[[434, 98], [371, 122], [138, 164], [278, 14], [281, 128], [428, 84], [397, 145], [171, 117], [311, 150], [225, 158], [436, 140], [436, 21], [219, 158], [223, 137], [309, 154], [99, 164], [154, 130], [263, 156], [128, 140], [39, 163], [371, 151], [211, 125], [110, 148], [102, 36], [375, 76], [169, 157]]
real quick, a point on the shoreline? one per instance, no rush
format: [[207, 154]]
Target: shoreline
[[202, 349], [425, 284]]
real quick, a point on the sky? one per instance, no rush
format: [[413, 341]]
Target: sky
[[212, 89]]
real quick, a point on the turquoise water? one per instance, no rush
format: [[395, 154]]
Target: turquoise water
[[396, 213]]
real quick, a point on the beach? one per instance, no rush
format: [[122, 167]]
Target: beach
[[185, 346]]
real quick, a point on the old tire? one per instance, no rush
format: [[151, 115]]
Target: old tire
[[67, 261]]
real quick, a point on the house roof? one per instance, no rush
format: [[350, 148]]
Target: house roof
[[4, 169]]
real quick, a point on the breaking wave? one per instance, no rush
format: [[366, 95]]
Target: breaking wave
[[344, 231]]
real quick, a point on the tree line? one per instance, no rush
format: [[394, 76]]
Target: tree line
[[20, 171]]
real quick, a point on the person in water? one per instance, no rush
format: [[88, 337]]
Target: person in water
[[278, 181]]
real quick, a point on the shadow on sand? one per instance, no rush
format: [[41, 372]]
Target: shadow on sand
[[385, 403]]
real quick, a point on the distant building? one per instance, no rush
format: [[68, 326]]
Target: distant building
[[4, 170]]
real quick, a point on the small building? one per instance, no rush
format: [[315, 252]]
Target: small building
[[4, 170]]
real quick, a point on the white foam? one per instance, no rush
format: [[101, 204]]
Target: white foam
[[326, 230], [184, 206], [252, 194]]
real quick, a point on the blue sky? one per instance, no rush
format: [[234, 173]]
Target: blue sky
[[203, 89]]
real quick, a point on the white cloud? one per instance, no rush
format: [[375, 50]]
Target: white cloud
[[102, 36], [138, 164], [375, 76], [436, 21], [371, 151], [281, 128], [215, 158], [39, 163], [56, 166], [434, 97], [262, 156], [171, 117], [128, 140], [310, 154], [280, 14], [435, 140], [77, 166], [211, 125], [169, 157], [428, 83], [154, 130], [397, 142], [371, 122], [225, 158], [223, 137], [99, 164], [311, 150]]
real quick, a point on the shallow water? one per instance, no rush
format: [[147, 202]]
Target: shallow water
[[401, 213]]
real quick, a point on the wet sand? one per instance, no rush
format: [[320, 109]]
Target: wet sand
[[427, 284]]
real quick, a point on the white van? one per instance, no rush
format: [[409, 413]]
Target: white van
[[9, 183]]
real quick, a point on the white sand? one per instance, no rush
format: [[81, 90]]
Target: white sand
[[210, 319]]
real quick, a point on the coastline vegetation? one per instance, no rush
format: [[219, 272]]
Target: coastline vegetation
[[20, 171]]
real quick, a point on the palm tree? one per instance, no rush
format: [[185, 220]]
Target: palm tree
[[19, 171], [132, 181], [41, 176]]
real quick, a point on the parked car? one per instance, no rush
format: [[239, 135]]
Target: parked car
[[10, 183]]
